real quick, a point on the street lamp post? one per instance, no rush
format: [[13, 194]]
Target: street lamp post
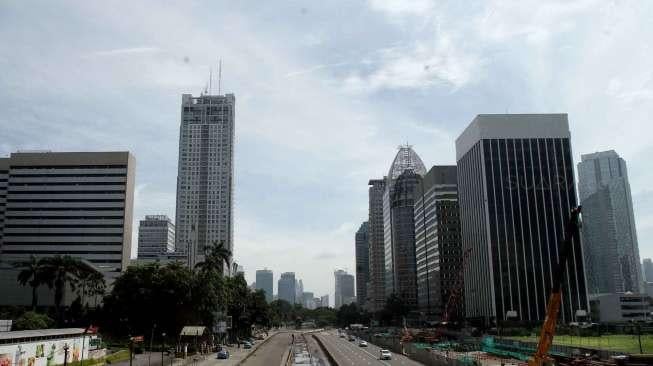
[[65, 354], [149, 355], [163, 345]]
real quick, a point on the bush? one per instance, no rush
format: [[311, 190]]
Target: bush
[[33, 320]]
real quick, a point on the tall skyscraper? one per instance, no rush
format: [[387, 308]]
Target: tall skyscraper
[[68, 203], [156, 236], [344, 289], [286, 287], [516, 191], [438, 246], [362, 262], [609, 234], [205, 176], [264, 281], [376, 296], [648, 270], [405, 174], [299, 292]]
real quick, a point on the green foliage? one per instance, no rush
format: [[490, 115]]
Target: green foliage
[[352, 314], [32, 273], [33, 320], [173, 296]]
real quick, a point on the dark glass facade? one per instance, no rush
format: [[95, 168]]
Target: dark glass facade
[[362, 263], [376, 294], [400, 262], [438, 246], [516, 195]]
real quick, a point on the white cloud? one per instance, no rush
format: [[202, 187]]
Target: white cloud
[[124, 51]]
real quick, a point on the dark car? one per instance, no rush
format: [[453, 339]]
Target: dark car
[[223, 354], [247, 345]]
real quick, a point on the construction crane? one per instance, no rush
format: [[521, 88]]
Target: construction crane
[[572, 234]]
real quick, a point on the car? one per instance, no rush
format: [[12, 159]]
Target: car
[[247, 345], [385, 355], [223, 354], [342, 335], [352, 338], [362, 344]]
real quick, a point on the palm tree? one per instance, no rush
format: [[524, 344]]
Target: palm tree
[[60, 272], [216, 255], [32, 274], [89, 282]]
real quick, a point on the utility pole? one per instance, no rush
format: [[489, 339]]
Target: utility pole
[[149, 355]]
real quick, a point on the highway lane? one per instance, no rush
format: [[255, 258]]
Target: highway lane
[[271, 352], [349, 353]]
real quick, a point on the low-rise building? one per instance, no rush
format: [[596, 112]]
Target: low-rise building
[[47, 346], [618, 308]]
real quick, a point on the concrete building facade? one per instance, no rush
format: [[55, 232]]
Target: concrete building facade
[[68, 203], [286, 287], [362, 244], [376, 295], [648, 270], [156, 236], [344, 289], [609, 234], [620, 308], [438, 246], [204, 212], [516, 190], [265, 281], [405, 174]]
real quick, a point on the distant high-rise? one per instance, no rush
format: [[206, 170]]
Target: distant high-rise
[[205, 176], [362, 262], [264, 281], [609, 234], [307, 300], [516, 191], [405, 174], [286, 287], [324, 301], [299, 291], [648, 270], [438, 247], [344, 289], [156, 236], [376, 295], [68, 203]]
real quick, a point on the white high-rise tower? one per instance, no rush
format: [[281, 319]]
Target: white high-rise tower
[[205, 178]]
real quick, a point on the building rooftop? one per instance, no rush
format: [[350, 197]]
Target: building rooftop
[[406, 159], [511, 126], [20, 334]]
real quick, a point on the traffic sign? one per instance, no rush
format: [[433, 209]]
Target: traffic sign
[[137, 339]]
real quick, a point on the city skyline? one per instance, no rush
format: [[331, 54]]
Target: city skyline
[[406, 77]]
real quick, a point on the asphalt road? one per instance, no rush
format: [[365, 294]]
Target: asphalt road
[[349, 353], [270, 353]]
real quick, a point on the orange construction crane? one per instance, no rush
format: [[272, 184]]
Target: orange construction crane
[[572, 233]]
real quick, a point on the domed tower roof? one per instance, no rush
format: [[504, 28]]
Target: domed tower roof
[[406, 159]]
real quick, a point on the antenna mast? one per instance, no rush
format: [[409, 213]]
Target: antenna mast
[[210, 78], [219, 77]]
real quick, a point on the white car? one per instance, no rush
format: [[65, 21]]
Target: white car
[[362, 344], [385, 355]]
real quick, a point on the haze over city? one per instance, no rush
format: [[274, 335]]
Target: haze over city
[[324, 92]]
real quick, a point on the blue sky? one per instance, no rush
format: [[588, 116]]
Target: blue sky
[[325, 91]]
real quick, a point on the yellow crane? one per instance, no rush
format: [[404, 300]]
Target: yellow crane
[[572, 233]]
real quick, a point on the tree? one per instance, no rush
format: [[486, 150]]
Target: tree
[[32, 274], [216, 255], [61, 271], [33, 320], [89, 283]]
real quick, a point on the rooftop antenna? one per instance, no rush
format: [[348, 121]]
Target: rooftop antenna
[[210, 79], [219, 76]]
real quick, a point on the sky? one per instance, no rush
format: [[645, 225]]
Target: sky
[[325, 92]]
